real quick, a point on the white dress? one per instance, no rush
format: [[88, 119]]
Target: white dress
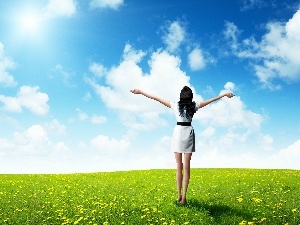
[[183, 138]]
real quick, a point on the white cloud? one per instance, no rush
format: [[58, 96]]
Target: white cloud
[[35, 101], [114, 4], [208, 132], [229, 112], [174, 37], [104, 144], [228, 127], [229, 86], [6, 63], [56, 127], [28, 97], [10, 104], [82, 116], [97, 69], [87, 96], [61, 150], [288, 157], [165, 79], [94, 119], [65, 74], [276, 55], [196, 59], [251, 4], [98, 119], [34, 142], [57, 8]]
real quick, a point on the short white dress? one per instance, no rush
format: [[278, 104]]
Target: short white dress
[[183, 138]]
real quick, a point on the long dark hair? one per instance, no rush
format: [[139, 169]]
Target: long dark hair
[[186, 104]]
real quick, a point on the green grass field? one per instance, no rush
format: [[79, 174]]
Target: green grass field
[[216, 196]]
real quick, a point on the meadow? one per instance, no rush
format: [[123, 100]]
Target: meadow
[[215, 196]]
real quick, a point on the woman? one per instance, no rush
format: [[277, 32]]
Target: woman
[[183, 138]]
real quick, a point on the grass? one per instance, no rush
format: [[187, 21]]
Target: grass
[[216, 196]]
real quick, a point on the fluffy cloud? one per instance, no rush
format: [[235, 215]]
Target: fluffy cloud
[[228, 129], [165, 79], [94, 119], [6, 63], [66, 75], [104, 144], [98, 119], [287, 156], [82, 116], [114, 4], [275, 56], [228, 124], [196, 59], [251, 4], [56, 8], [97, 69], [174, 37], [28, 97], [229, 112], [34, 141], [56, 127]]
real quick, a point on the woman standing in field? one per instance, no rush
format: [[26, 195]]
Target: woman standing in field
[[183, 138]]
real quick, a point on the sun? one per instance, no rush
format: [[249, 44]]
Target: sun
[[29, 23]]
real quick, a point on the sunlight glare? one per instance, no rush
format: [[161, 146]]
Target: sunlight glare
[[29, 23]]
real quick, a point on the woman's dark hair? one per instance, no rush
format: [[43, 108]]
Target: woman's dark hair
[[186, 105]]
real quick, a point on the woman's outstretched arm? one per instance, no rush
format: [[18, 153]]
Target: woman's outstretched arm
[[205, 103], [160, 100]]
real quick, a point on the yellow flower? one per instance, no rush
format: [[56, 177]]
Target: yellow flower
[[243, 222], [239, 199], [186, 222], [250, 223], [294, 210]]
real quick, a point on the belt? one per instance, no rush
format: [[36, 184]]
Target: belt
[[184, 123]]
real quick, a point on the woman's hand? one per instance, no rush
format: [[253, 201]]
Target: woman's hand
[[136, 91], [229, 95]]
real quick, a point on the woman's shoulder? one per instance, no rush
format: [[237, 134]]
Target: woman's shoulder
[[174, 104]]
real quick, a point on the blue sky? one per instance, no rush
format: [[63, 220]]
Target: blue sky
[[66, 68]]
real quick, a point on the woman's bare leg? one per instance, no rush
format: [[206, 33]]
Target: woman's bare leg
[[178, 157], [186, 175]]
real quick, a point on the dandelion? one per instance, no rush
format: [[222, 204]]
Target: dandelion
[[243, 222], [294, 210], [186, 223], [256, 200], [239, 199]]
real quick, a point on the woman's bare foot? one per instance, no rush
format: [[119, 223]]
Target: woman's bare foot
[[179, 198], [183, 201]]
